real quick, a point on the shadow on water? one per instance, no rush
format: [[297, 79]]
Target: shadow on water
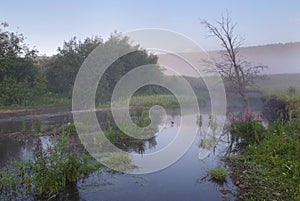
[[187, 179]]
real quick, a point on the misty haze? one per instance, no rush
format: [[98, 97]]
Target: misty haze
[[160, 100]]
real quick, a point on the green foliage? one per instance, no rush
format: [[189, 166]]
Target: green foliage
[[30, 80], [150, 100], [68, 128], [162, 99], [247, 128], [20, 79], [154, 99], [62, 68], [116, 44], [219, 175], [271, 169], [54, 167]]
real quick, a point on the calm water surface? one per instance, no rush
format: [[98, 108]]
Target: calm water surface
[[187, 179]]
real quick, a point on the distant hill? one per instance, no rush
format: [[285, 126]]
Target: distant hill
[[280, 58]]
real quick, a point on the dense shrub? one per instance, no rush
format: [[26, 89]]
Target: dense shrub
[[20, 79]]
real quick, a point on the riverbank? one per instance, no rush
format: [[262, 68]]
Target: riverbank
[[140, 100], [269, 170]]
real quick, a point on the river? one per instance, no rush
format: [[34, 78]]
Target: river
[[187, 179]]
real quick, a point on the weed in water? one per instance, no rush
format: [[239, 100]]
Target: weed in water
[[219, 175]]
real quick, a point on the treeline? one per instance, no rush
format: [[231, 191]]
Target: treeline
[[28, 79]]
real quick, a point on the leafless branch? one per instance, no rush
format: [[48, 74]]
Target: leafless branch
[[234, 69]]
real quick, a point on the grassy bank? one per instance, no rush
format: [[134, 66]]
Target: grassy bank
[[160, 99], [270, 169], [139, 100], [45, 100]]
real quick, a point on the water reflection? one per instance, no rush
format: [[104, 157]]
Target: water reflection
[[177, 182], [210, 133], [11, 149]]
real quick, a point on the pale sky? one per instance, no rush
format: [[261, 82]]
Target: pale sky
[[46, 24]]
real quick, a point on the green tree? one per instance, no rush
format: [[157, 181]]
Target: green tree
[[136, 57], [20, 79], [63, 67]]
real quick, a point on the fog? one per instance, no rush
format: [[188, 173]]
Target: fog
[[280, 58]]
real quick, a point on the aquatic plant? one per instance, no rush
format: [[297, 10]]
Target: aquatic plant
[[219, 175], [212, 123], [199, 120], [118, 162], [54, 167], [247, 128]]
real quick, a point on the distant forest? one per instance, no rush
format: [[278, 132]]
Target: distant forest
[[27, 79]]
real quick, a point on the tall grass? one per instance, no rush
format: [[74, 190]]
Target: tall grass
[[160, 99]]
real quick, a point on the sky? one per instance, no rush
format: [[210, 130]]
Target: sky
[[47, 24]]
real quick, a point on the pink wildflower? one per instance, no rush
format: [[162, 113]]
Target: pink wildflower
[[241, 117], [258, 117]]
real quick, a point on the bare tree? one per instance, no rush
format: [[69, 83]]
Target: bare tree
[[233, 68]]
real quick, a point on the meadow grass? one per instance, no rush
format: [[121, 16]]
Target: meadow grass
[[157, 99]]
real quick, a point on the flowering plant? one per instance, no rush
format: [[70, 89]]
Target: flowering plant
[[57, 164], [247, 128]]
